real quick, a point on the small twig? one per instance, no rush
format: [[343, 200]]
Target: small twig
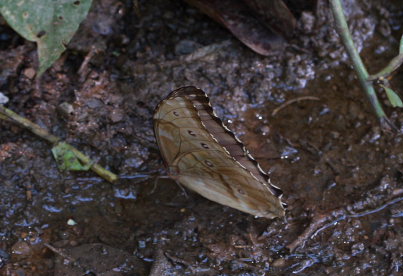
[[34, 128], [388, 126], [287, 103], [378, 209], [94, 50], [175, 259], [393, 65], [160, 265], [342, 29], [60, 252], [101, 171], [37, 130], [73, 261], [4, 118], [322, 222], [301, 239]]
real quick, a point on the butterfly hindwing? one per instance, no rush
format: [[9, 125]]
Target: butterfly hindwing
[[206, 157]]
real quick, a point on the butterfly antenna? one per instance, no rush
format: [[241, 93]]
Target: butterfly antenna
[[87, 179], [137, 176], [144, 176]]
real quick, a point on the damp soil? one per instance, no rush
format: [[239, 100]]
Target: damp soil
[[300, 112]]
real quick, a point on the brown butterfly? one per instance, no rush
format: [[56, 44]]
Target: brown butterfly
[[205, 156]]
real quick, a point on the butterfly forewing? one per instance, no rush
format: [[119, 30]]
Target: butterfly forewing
[[206, 157]]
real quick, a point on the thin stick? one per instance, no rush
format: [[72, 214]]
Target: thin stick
[[62, 253], [392, 66], [401, 46], [317, 222], [34, 128], [322, 222], [287, 103], [342, 29]]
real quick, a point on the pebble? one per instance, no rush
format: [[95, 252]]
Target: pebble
[[30, 73], [21, 248], [3, 98], [4, 257], [116, 115], [186, 47], [279, 263]]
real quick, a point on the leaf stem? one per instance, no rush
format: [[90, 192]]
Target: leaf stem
[[37, 130], [359, 67]]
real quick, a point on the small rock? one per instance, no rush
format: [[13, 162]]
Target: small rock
[[4, 257], [30, 73], [71, 222], [65, 109], [186, 47], [279, 263], [265, 130], [94, 103], [3, 98], [308, 21], [21, 248], [116, 115]]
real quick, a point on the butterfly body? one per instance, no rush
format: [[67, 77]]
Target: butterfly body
[[205, 156]]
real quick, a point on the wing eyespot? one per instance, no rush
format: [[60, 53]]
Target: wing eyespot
[[186, 117], [204, 145], [208, 163]]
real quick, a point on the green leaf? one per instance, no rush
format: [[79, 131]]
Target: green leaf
[[394, 99], [49, 23], [66, 159], [401, 45]]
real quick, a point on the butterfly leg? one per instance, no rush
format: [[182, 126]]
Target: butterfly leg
[[156, 183], [183, 189]]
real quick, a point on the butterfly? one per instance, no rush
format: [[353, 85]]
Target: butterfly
[[202, 154]]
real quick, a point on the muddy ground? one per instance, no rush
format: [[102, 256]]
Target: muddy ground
[[340, 173]]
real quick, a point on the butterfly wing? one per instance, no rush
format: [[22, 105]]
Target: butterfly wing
[[205, 156]]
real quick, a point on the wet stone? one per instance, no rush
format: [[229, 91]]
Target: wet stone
[[21, 249], [30, 73], [116, 115], [94, 103], [186, 47], [4, 258], [3, 98]]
